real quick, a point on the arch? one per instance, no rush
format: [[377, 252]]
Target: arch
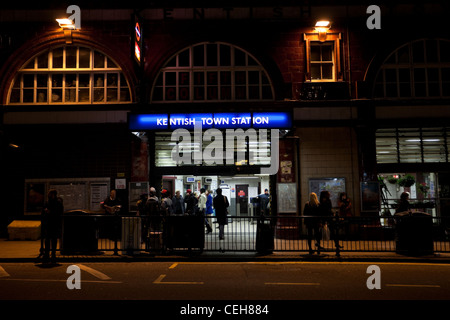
[[418, 69], [212, 72], [20, 62]]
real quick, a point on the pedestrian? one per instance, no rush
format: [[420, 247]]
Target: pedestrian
[[220, 203], [209, 210], [112, 204], [311, 213], [153, 210], [178, 203], [190, 201], [264, 200], [141, 204], [166, 202], [202, 208], [345, 211], [330, 220], [345, 205], [403, 205], [51, 222]]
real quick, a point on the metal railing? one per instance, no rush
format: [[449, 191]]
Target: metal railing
[[139, 234]]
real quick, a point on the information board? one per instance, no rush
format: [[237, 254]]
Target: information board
[[334, 185]]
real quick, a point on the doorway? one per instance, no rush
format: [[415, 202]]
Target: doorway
[[242, 199]]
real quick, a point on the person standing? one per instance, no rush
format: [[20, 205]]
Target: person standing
[[190, 201], [345, 212], [209, 211], [178, 203], [326, 211], [264, 200], [311, 213], [202, 208], [220, 203], [51, 222], [166, 202]]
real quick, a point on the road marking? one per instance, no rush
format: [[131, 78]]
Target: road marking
[[293, 283], [414, 285], [3, 273], [55, 280], [161, 277], [94, 272], [310, 262]]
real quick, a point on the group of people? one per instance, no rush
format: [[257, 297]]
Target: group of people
[[319, 217], [205, 205]]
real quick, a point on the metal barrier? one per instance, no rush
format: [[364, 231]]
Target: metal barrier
[[139, 234]]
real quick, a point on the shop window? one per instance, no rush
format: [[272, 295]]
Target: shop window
[[216, 72], [69, 75], [422, 188], [323, 58], [419, 69], [412, 145]]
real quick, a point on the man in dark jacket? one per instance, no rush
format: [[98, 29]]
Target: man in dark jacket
[[51, 223], [221, 204]]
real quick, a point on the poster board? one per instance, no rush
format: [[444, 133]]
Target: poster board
[[77, 193], [287, 198], [370, 196], [334, 185]]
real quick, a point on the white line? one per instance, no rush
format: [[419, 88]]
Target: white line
[[414, 285], [55, 280], [161, 277], [94, 272], [3, 273], [293, 283]]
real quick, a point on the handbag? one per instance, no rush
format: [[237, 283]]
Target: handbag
[[325, 232]]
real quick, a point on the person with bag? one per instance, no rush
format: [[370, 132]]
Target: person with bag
[[52, 223], [311, 214], [221, 204], [330, 220]]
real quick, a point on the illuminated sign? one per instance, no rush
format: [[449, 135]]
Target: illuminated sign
[[259, 120], [137, 35]]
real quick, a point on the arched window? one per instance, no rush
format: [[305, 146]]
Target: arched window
[[69, 75], [212, 72], [419, 69]]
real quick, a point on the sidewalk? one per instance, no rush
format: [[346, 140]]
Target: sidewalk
[[28, 251]]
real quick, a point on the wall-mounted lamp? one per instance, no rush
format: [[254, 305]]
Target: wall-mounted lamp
[[66, 24], [322, 27]]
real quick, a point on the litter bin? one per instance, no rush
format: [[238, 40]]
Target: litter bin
[[414, 233], [185, 232], [264, 236], [79, 233]]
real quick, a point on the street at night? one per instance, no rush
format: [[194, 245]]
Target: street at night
[[146, 148]]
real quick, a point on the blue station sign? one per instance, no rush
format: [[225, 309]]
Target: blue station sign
[[258, 120]]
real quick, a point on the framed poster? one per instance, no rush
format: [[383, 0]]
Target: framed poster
[[370, 196], [287, 197], [334, 185]]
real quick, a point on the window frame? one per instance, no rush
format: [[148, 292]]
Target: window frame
[[385, 87], [312, 39], [198, 76], [31, 68]]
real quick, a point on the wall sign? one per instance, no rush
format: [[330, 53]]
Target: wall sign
[[258, 120]]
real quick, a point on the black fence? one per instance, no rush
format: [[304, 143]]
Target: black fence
[[94, 234]]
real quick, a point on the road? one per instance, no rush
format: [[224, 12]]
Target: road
[[253, 282]]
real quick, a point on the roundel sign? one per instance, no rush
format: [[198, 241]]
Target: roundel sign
[[137, 30]]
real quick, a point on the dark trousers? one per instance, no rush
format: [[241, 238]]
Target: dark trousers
[[313, 230]]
